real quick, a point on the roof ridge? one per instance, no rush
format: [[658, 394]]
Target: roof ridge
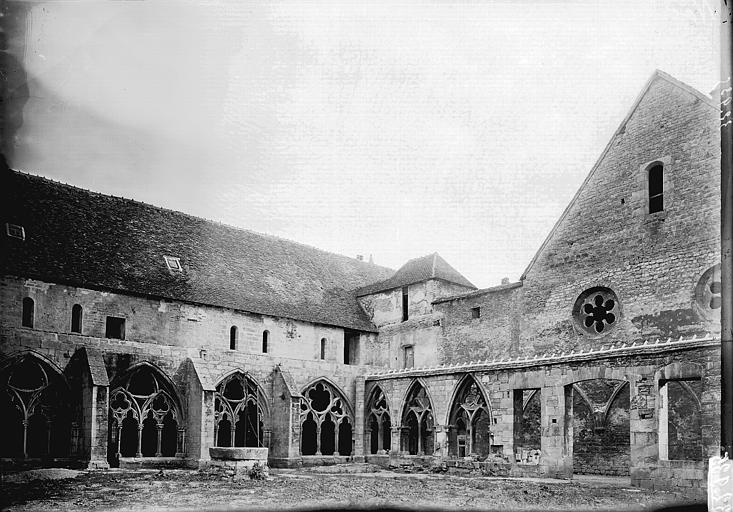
[[192, 216]]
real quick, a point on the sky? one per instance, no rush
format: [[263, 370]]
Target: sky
[[390, 129]]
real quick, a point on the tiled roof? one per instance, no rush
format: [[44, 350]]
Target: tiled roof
[[77, 237], [417, 270]]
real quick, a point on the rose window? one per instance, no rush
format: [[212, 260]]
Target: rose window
[[596, 311], [708, 292]]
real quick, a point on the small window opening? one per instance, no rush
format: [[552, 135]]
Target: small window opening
[[15, 231], [405, 304], [656, 189], [115, 328], [174, 264], [265, 339], [351, 347], [233, 338], [476, 312], [323, 348], [408, 357], [76, 317], [28, 312]]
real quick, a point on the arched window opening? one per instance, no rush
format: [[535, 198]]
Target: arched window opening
[[239, 412], [76, 318], [379, 424], [417, 421], [527, 425], [28, 312], [600, 416], [145, 416], [680, 426], [469, 427], [265, 341], [233, 338], [323, 348], [656, 188], [324, 408], [35, 405]]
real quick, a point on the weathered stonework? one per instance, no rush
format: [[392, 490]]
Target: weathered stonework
[[603, 358]]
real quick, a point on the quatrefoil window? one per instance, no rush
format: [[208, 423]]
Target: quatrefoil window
[[596, 310]]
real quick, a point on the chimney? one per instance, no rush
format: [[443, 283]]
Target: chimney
[[360, 257], [504, 280]]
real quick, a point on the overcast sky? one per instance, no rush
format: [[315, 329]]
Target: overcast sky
[[383, 128]]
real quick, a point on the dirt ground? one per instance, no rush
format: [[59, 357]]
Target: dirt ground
[[66, 490]]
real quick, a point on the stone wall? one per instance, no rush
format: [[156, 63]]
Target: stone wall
[[631, 420], [657, 265], [165, 322]]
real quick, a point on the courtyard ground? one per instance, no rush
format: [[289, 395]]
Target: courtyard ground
[[66, 490]]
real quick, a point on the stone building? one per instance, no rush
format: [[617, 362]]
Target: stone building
[[134, 335]]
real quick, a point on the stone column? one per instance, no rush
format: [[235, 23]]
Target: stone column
[[644, 449], [336, 428], [158, 452], [554, 460], [441, 439], [139, 452], [25, 439]]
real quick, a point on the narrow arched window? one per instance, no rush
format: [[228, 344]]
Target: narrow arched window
[[28, 312], [323, 348], [265, 340], [233, 338], [656, 188], [76, 314]]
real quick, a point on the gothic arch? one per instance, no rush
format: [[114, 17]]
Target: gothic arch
[[241, 412], [469, 419], [378, 422], [326, 419], [146, 417], [35, 408], [417, 420]]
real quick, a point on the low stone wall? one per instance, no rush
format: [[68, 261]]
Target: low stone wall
[[683, 476]]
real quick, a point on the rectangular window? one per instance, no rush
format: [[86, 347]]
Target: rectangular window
[[405, 304], [476, 312], [351, 347], [115, 328], [408, 357]]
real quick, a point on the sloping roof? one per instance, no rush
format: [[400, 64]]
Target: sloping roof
[[656, 75], [416, 270], [82, 238], [478, 293]]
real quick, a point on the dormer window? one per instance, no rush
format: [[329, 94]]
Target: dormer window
[[15, 231], [174, 264]]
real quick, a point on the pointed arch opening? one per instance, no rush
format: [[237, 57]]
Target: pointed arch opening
[[36, 410], [146, 417], [240, 412], [469, 421], [378, 423], [417, 436], [326, 420]]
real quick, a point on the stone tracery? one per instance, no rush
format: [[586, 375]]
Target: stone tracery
[[469, 432], [145, 417], [326, 421], [417, 422], [379, 424], [239, 410], [35, 409]]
